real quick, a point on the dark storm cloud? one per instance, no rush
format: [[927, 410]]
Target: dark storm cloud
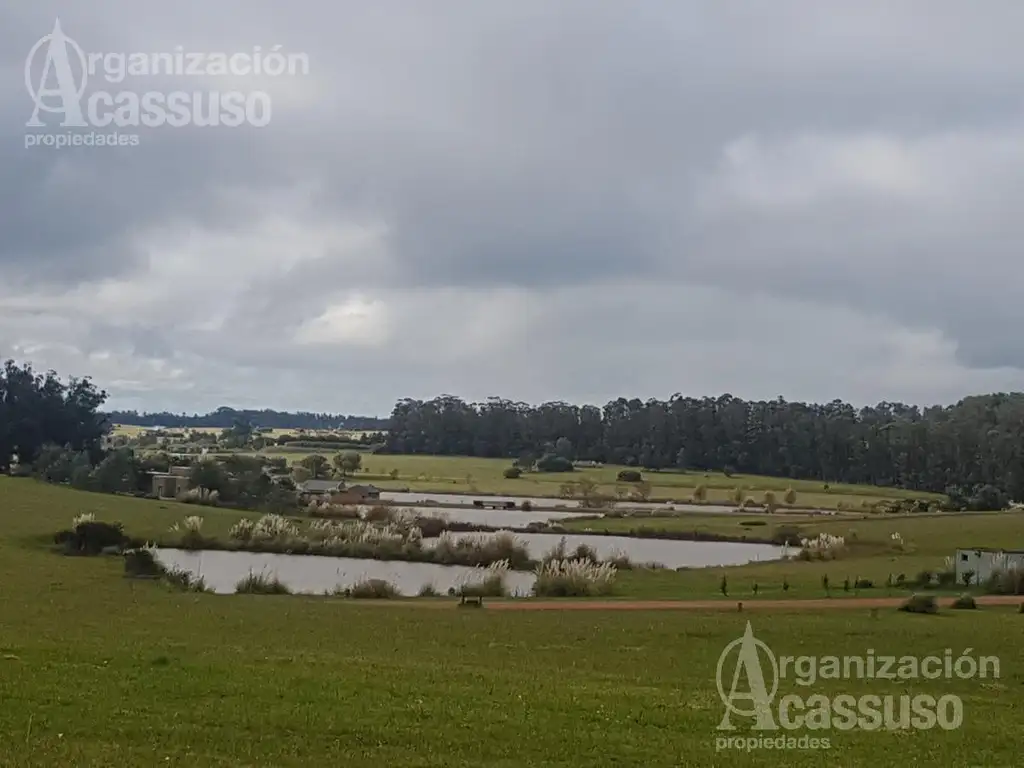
[[862, 159]]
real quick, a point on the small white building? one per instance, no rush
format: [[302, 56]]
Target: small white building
[[983, 562]]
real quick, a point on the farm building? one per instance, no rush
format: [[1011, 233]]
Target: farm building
[[319, 487], [983, 562], [169, 485]]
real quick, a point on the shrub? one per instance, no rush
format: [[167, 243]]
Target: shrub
[[863, 584], [512, 473], [91, 537], [432, 527], [790, 496], [242, 530], [728, 470], [191, 533], [85, 517], [261, 584], [769, 499], [620, 561], [823, 547], [526, 506], [428, 590], [1008, 581], [752, 523], [480, 551], [924, 579], [786, 534], [334, 511], [965, 602], [736, 495], [142, 562], [378, 513], [573, 578], [486, 582], [700, 493], [551, 462], [920, 604], [629, 476], [373, 589], [584, 552], [185, 581], [202, 496]]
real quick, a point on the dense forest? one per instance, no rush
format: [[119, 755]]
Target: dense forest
[[979, 441], [224, 418]]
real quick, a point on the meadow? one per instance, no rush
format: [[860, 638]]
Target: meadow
[[97, 669], [925, 541], [463, 474]]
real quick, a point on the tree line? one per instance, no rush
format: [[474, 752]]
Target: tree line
[[971, 449], [225, 418], [39, 409], [956, 449]]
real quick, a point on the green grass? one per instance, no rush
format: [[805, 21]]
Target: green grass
[[99, 670], [460, 474], [39, 510], [928, 540]]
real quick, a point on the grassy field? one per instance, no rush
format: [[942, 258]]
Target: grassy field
[[460, 474], [464, 474], [871, 553], [98, 670]]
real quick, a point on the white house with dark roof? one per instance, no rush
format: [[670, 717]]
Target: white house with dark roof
[[982, 562]]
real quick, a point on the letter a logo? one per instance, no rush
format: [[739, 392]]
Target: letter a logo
[[748, 662], [58, 64]]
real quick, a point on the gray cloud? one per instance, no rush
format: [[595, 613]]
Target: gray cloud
[[541, 200]]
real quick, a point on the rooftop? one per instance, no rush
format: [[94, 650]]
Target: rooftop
[[317, 486], [991, 550]]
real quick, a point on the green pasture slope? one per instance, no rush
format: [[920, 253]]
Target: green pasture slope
[[98, 670], [462, 474], [871, 553]]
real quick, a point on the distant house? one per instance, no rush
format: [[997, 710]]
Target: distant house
[[319, 487], [168, 485], [356, 494], [982, 562]]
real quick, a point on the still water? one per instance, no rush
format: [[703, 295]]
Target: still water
[[312, 574]]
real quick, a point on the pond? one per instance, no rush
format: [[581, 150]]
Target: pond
[[670, 553], [706, 509], [497, 518], [413, 497], [310, 574]]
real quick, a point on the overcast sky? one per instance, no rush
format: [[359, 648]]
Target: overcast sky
[[539, 199]]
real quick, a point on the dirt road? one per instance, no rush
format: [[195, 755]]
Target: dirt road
[[728, 605]]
